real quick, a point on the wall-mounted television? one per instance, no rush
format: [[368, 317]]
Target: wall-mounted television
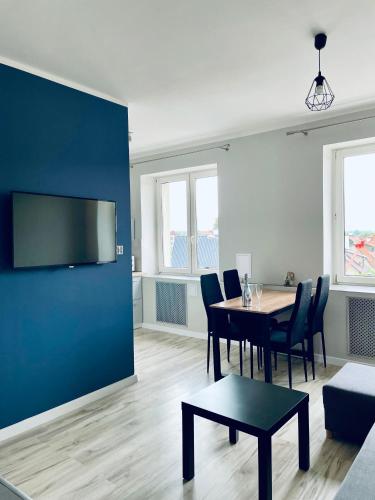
[[53, 230]]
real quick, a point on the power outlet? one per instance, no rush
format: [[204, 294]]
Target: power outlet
[[120, 249]]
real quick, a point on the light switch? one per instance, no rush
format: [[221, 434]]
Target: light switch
[[120, 249]]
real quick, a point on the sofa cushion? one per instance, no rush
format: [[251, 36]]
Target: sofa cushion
[[10, 492], [359, 482], [355, 378], [349, 401]]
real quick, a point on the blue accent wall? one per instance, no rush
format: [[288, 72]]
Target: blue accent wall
[[63, 332]]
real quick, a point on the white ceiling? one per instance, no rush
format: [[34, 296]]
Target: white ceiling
[[197, 70]]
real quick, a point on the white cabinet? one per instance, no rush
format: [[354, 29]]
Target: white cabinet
[[137, 301]]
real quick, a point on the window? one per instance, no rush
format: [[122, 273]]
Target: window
[[188, 222], [354, 215]]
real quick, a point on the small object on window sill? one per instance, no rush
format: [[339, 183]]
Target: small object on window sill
[[290, 277]]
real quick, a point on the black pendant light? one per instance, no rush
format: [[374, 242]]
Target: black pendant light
[[320, 96]]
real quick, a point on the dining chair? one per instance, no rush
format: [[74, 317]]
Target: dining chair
[[232, 284], [284, 339], [316, 318], [211, 294], [232, 288]]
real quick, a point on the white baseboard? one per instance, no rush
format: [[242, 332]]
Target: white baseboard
[[342, 361], [175, 331], [59, 411], [332, 360]]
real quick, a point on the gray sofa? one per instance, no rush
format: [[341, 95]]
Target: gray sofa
[[360, 480], [349, 409], [10, 492]]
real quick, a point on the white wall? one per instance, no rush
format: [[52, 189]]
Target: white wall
[[271, 204], [148, 241]]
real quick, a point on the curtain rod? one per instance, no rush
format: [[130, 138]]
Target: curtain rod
[[305, 131], [224, 147]]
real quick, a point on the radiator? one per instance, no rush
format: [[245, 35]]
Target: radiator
[[171, 306], [361, 326]]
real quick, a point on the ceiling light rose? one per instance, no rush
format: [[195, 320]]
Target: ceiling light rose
[[320, 96]]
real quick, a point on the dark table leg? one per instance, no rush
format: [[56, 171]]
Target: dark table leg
[[265, 468], [233, 435], [187, 444], [304, 436], [266, 325], [216, 349]]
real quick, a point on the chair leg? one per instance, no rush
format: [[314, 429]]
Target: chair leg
[[251, 361], [324, 349], [290, 370], [208, 352], [304, 360], [260, 357], [241, 364], [228, 350], [310, 354], [275, 359], [313, 363]]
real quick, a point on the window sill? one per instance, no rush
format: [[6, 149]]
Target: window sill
[[370, 289], [174, 277]]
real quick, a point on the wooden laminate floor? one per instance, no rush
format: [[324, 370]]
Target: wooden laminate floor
[[128, 445]]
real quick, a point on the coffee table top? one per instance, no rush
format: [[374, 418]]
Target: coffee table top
[[260, 407]]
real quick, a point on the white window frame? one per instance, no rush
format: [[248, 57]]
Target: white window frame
[[193, 220], [338, 222], [190, 178]]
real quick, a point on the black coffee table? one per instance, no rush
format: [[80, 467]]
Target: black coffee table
[[249, 406]]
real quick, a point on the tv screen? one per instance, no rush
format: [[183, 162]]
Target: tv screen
[[57, 230]]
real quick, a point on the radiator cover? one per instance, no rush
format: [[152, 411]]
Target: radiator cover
[[171, 305], [361, 326]]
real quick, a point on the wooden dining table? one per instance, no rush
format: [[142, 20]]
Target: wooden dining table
[[257, 317]]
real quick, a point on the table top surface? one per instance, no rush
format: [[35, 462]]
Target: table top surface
[[271, 302], [251, 402]]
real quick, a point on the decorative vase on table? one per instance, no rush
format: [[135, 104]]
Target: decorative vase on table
[[247, 293]]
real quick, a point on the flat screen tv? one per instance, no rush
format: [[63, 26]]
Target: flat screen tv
[[62, 231]]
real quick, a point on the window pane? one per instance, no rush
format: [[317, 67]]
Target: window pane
[[207, 223], [174, 213], [359, 205]]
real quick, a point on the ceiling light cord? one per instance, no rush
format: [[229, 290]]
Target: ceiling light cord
[[319, 64]]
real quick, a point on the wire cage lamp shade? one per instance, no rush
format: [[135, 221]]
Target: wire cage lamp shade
[[320, 96]]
